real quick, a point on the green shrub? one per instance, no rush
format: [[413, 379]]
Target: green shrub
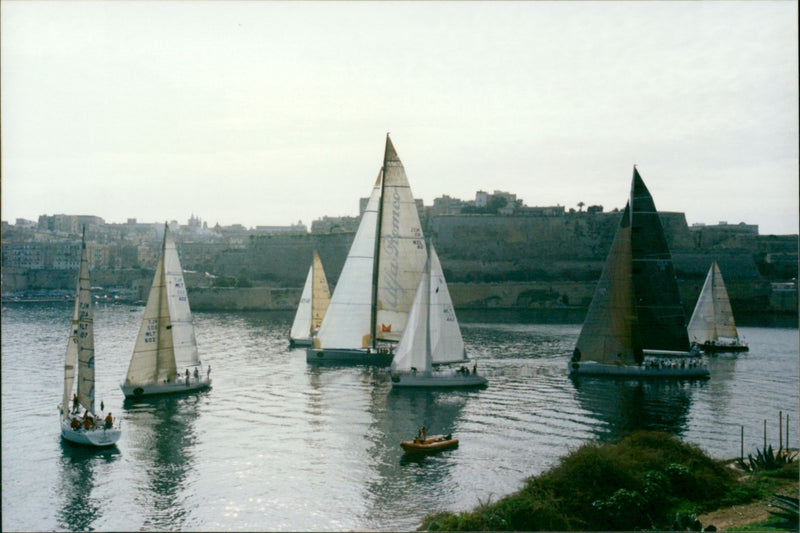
[[641, 482]]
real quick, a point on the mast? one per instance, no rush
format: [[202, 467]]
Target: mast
[[376, 257], [163, 281], [428, 354]]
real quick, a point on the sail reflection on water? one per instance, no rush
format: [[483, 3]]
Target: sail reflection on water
[[78, 467], [162, 434], [622, 406]]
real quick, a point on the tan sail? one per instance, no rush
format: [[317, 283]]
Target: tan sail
[[321, 294], [609, 334]]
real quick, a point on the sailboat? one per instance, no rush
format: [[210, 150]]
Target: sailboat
[[166, 348], [86, 429], [370, 304], [313, 304], [432, 337], [625, 309], [712, 327]]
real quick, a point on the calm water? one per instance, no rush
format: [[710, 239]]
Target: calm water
[[281, 445]]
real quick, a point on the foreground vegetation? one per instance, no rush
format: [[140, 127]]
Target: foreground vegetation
[[648, 480]]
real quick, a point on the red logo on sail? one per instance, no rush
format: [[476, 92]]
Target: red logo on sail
[[385, 328]]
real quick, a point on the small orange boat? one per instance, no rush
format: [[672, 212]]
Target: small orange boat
[[432, 444]]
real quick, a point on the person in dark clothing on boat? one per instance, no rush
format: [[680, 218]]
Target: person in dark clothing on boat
[[196, 374], [475, 368], [187, 377], [109, 421]]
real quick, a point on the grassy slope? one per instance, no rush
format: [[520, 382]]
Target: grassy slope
[[640, 482]]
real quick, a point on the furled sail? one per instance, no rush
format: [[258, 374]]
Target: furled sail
[[80, 347], [609, 334]]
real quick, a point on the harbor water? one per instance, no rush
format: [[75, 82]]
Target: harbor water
[[281, 445]]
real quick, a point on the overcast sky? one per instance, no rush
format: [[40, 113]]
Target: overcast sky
[[266, 113]]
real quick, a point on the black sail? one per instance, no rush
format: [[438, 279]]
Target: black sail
[[661, 321]]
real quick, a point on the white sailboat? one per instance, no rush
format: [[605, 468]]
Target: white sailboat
[[86, 429], [432, 337], [712, 327], [610, 342], [313, 304], [165, 357], [369, 307]]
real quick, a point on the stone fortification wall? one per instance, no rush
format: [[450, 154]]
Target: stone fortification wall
[[249, 299]]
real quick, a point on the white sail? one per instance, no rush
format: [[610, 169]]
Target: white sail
[[414, 349], [447, 345], [166, 337], [301, 327], [180, 315], [320, 294], [432, 335], [712, 318], [608, 335], [402, 254], [347, 321], [80, 347]]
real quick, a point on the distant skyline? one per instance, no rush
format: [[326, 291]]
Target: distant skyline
[[266, 113]]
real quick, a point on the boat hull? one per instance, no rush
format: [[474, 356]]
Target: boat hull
[[98, 437], [153, 389], [591, 368], [714, 348], [435, 380], [344, 356], [433, 444]]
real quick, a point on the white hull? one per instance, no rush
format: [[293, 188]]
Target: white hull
[[177, 387], [348, 356], [592, 368], [93, 437], [438, 380]]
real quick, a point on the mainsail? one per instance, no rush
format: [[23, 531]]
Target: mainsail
[[609, 334], [401, 250], [432, 335], [657, 299], [713, 317], [80, 347], [166, 338]]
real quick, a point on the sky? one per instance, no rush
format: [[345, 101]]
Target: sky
[[270, 113]]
